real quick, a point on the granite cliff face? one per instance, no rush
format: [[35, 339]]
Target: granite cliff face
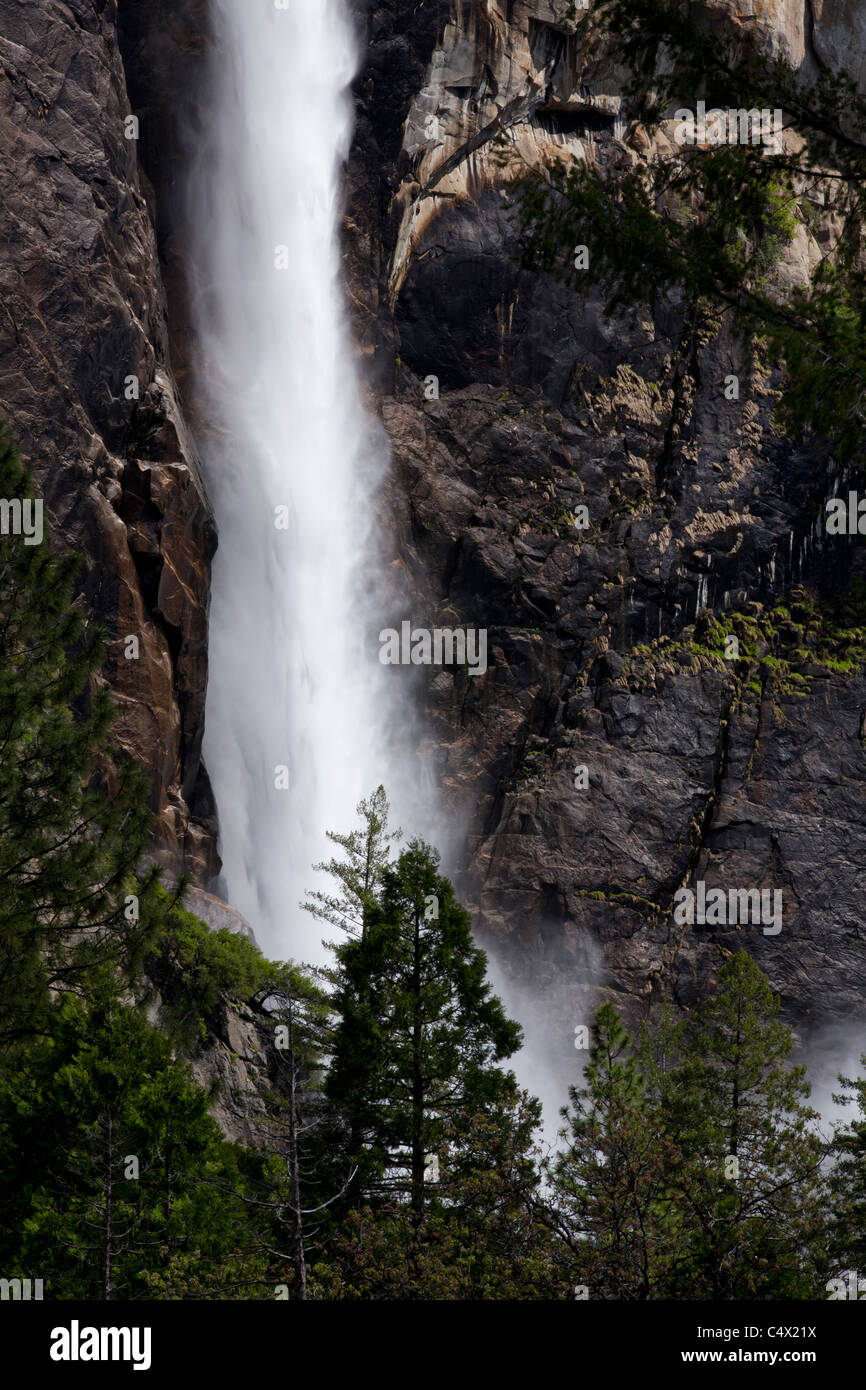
[[87, 386], [603, 652], [742, 775]]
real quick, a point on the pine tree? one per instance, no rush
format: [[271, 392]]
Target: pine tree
[[848, 1183], [483, 1236], [612, 1204], [111, 1166], [749, 1180], [359, 874], [694, 1168], [69, 848], [419, 1034]]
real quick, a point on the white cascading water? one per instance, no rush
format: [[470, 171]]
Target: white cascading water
[[294, 671], [294, 675]]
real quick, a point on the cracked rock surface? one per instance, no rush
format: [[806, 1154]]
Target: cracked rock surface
[[607, 640], [87, 387]]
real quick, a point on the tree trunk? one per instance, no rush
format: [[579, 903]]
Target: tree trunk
[[169, 1201], [418, 1156], [298, 1254]]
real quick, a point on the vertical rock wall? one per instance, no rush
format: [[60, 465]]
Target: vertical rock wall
[[597, 635], [83, 313]]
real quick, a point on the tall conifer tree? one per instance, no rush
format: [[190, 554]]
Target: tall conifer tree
[[420, 1034]]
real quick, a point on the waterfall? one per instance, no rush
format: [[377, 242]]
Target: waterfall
[[301, 721]]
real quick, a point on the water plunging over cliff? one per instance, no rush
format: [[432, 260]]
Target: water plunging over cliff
[[297, 703]]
